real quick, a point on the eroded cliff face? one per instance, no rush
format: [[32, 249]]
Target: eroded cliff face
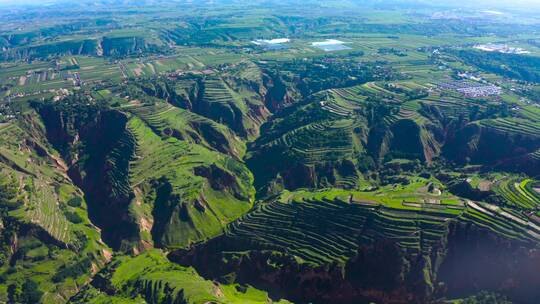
[[98, 148], [236, 103], [466, 260], [478, 144], [406, 139], [142, 189], [379, 272], [480, 260], [278, 94]]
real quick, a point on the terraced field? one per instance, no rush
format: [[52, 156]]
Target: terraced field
[[54, 234], [224, 104], [238, 107], [201, 203], [321, 133], [407, 111], [377, 89], [536, 155], [319, 142], [515, 125], [328, 230], [331, 240], [38, 178], [342, 102], [519, 193], [350, 94], [326, 227], [530, 112], [44, 211], [119, 161], [167, 120], [451, 107]]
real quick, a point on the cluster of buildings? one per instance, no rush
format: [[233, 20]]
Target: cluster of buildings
[[472, 90], [6, 112], [480, 91]]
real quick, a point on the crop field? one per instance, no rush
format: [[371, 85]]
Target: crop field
[[160, 155], [161, 65], [519, 193], [40, 77], [515, 125], [344, 219], [97, 69]]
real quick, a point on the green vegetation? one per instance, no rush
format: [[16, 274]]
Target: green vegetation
[[43, 231], [485, 297], [415, 220], [211, 152], [508, 65], [519, 193], [156, 280]]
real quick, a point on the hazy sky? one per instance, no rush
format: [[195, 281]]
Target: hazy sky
[[487, 3], [22, 1]]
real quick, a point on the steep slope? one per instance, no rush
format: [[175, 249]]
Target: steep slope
[[335, 137], [49, 246], [386, 247], [114, 46], [230, 97], [154, 279], [141, 172], [505, 143]]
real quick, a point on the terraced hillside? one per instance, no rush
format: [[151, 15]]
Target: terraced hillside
[[239, 106], [335, 137], [220, 103], [521, 194], [167, 163], [44, 218], [191, 191], [167, 189], [313, 145], [168, 120], [325, 239], [503, 142]]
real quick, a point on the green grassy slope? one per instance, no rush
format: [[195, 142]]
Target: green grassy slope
[[403, 234], [151, 278], [192, 191], [51, 241], [173, 177]]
